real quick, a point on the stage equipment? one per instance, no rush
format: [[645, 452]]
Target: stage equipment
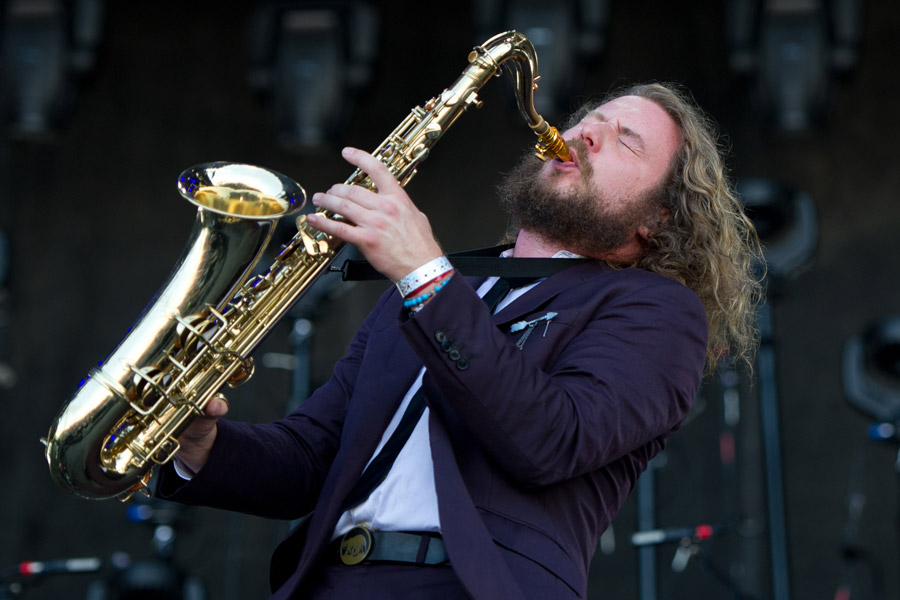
[[158, 577], [787, 223], [199, 332], [7, 373], [792, 51], [567, 34], [46, 46], [17, 580], [871, 381], [871, 373], [311, 60]]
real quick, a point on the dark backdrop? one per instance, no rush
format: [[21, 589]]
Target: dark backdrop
[[95, 224]]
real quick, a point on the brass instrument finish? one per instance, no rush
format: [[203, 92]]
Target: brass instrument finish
[[199, 332]]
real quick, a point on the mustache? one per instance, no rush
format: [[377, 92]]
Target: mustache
[[582, 152]]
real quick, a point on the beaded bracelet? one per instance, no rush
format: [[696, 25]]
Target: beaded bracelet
[[442, 277], [421, 277], [418, 300]]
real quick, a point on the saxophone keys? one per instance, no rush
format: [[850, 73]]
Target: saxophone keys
[[312, 248], [473, 100], [310, 244], [142, 486], [243, 374]]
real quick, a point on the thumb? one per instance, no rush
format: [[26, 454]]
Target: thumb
[[197, 440], [217, 406], [204, 425]]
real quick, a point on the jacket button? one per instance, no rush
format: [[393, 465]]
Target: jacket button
[[439, 335], [462, 364], [453, 354], [446, 346]]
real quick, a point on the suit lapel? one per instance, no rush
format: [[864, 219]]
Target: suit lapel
[[392, 372], [372, 409]]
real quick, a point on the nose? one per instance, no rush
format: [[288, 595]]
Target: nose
[[595, 134]]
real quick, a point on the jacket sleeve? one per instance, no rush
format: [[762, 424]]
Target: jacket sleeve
[[621, 373], [275, 470]]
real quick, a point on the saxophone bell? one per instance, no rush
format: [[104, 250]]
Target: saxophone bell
[[241, 191], [126, 415]]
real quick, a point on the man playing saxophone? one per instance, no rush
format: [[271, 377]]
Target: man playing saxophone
[[534, 409]]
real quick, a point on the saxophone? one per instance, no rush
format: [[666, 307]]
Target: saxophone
[[197, 335]]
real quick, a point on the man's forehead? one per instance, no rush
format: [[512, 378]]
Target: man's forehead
[[640, 114], [636, 105]]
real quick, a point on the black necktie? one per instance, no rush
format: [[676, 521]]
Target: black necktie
[[504, 284], [381, 464]]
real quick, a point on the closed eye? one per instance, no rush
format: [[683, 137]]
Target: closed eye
[[629, 144], [631, 140]]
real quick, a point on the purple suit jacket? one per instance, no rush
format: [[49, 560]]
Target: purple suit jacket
[[535, 448]]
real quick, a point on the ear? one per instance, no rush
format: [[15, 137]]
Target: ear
[[648, 228]]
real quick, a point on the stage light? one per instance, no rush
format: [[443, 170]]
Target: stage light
[[794, 69], [871, 372], [46, 46], [786, 221], [792, 51], [566, 35], [310, 59], [35, 61]]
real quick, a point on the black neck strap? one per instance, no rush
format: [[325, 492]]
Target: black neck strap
[[484, 262]]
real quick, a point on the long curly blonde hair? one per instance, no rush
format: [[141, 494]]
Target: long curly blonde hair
[[707, 242]]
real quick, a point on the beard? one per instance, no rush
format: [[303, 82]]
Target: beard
[[578, 219]]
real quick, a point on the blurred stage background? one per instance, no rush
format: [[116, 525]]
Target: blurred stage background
[[106, 103]]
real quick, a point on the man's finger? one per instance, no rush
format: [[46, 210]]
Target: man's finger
[[377, 171], [342, 202], [217, 406], [355, 194], [338, 229]]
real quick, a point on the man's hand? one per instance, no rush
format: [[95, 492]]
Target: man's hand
[[393, 235], [198, 439]]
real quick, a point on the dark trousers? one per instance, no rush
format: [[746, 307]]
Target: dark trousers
[[384, 582]]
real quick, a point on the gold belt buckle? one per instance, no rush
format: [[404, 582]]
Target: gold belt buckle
[[356, 545]]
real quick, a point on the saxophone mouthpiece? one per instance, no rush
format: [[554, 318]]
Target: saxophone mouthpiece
[[564, 154], [552, 145]]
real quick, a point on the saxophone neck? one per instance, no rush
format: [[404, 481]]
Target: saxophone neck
[[516, 54]]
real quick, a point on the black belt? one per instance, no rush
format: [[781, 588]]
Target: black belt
[[361, 544]]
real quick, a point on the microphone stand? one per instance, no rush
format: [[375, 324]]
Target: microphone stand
[[690, 544]]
